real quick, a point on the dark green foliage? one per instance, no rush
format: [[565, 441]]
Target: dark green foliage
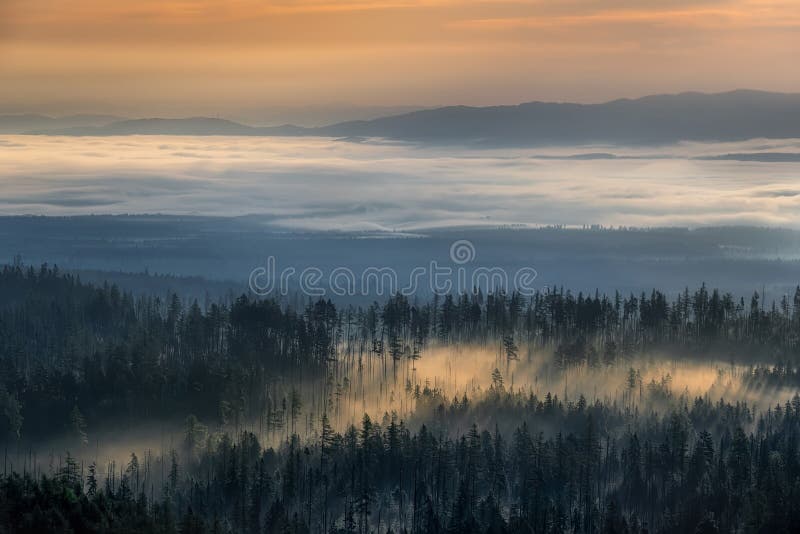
[[74, 358], [586, 480], [81, 355]]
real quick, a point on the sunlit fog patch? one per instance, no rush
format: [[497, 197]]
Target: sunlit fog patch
[[414, 391], [330, 184]]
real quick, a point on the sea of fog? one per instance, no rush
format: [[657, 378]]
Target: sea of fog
[[324, 184]]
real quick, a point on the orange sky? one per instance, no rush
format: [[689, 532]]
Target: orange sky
[[242, 58]]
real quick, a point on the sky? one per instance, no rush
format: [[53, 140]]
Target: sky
[[274, 60]]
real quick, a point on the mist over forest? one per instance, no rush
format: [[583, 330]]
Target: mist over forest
[[566, 411], [399, 267], [327, 331], [374, 184]]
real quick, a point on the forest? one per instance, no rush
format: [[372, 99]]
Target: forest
[[479, 412]]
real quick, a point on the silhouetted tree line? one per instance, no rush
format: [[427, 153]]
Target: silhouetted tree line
[[699, 466], [81, 355], [74, 357]]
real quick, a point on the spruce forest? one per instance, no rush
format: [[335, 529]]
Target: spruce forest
[[464, 413], [399, 267]]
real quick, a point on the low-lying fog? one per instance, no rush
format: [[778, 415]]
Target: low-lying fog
[[324, 184], [654, 383]]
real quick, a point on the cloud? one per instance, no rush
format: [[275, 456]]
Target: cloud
[[324, 184], [224, 56]]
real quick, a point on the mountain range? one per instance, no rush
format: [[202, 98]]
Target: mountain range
[[731, 116], [31, 122]]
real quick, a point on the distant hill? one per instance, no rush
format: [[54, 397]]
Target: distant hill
[[190, 126], [731, 116], [735, 115], [30, 122]]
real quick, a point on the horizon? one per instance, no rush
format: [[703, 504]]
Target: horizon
[[348, 113], [244, 58]]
